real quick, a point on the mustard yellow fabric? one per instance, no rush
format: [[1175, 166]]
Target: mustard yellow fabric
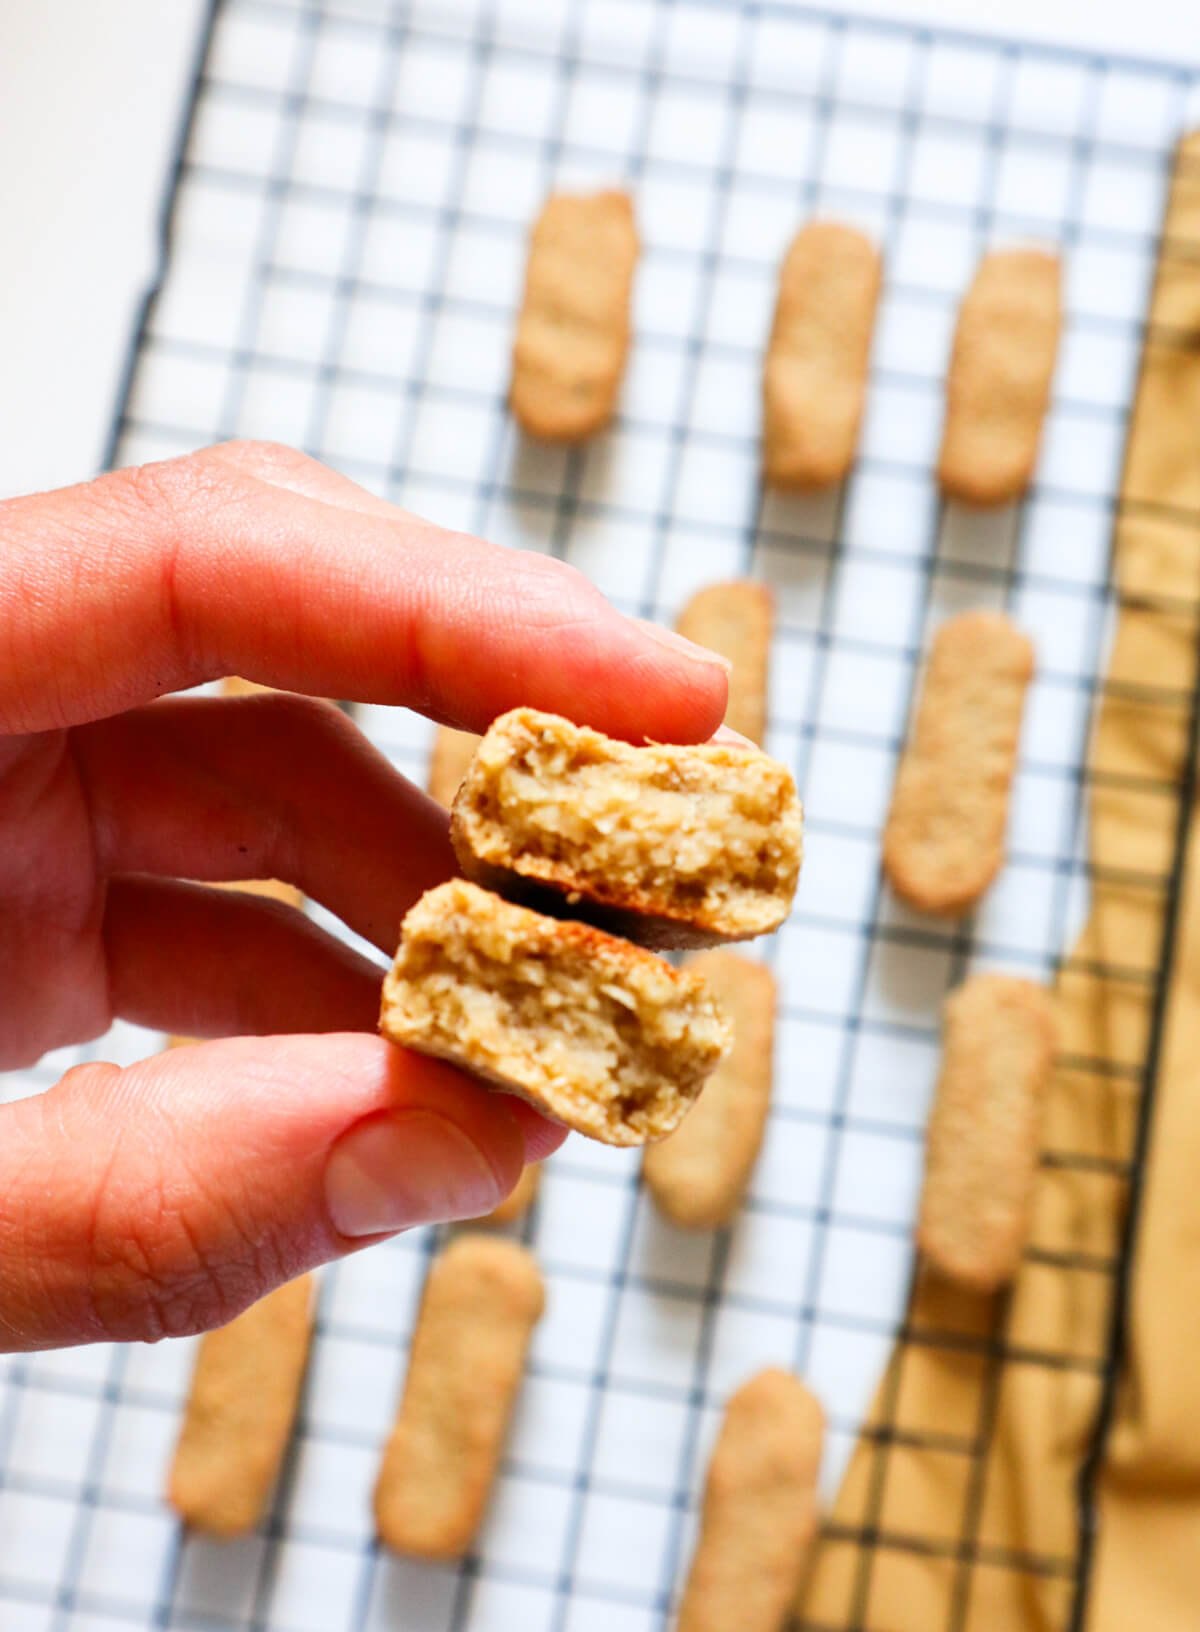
[[1020, 1372]]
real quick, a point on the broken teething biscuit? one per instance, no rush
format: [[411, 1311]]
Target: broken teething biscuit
[[670, 846], [815, 374], [482, 1299], [760, 1509], [245, 1389], [944, 839], [699, 1173], [998, 386], [599, 1034], [452, 753], [998, 1040], [735, 620], [519, 1199], [573, 331]]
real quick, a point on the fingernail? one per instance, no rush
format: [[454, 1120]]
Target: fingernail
[[726, 735], [405, 1168], [681, 646]]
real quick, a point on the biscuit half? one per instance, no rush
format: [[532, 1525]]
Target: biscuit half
[[670, 846], [944, 839], [998, 1043], [573, 332], [599, 1034]]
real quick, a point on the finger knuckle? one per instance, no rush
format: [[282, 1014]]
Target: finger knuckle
[[169, 1258], [159, 490], [263, 458]]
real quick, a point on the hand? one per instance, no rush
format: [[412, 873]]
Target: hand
[[163, 1198]]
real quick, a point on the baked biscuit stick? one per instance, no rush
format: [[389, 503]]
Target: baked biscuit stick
[[482, 1299], [735, 620], [519, 1199], [698, 1174], [239, 1414], [815, 373], [449, 759], [760, 1509], [573, 331], [998, 1040], [944, 839], [998, 386]]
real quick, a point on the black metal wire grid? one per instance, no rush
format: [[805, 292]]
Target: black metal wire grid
[[345, 235]]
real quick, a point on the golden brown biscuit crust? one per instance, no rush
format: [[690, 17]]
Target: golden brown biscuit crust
[[736, 619], [998, 386], [698, 1174], [944, 839], [482, 1299], [815, 372], [982, 1143], [238, 1418], [759, 1513], [573, 332], [599, 1034], [669, 846]]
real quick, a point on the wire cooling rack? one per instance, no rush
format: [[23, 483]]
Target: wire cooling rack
[[345, 250]]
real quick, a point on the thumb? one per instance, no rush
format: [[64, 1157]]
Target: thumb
[[163, 1198]]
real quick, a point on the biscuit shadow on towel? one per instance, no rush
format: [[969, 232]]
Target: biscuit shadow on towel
[[413, 1593], [798, 539], [668, 1253], [542, 484], [907, 981], [988, 540]]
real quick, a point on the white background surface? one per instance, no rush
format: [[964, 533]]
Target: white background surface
[[91, 93], [349, 283]]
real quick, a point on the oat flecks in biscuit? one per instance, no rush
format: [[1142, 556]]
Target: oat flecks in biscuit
[[573, 331], [599, 1034], [239, 1413], [482, 1299], [735, 619], [519, 1199], [451, 755], [944, 839], [760, 1509], [998, 1042], [699, 1174], [670, 846], [815, 373], [998, 386]]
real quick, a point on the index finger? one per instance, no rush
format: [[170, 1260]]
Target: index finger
[[153, 579]]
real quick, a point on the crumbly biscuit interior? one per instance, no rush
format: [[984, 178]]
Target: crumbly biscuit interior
[[696, 828], [614, 1049]]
